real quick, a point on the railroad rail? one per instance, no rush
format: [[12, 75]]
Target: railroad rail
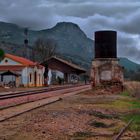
[[123, 130], [14, 99], [57, 95], [36, 91]]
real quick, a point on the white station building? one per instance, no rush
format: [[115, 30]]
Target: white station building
[[21, 72]]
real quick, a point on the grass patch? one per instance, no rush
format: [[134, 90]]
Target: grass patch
[[135, 126], [102, 116], [128, 103], [81, 135], [99, 124], [135, 104], [119, 104], [125, 93]]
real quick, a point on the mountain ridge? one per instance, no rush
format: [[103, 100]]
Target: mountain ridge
[[73, 44]]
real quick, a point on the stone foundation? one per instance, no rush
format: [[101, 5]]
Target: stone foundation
[[106, 71]]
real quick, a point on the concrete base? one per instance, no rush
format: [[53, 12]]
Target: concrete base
[[106, 70]]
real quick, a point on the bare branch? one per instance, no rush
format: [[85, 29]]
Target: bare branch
[[43, 49]]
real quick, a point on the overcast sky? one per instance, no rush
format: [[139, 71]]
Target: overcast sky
[[90, 15]]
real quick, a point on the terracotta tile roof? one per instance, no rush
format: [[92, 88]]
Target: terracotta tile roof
[[21, 60]]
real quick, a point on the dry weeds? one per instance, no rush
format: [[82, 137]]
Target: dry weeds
[[133, 88]]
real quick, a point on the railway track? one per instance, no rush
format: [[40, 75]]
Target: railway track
[[30, 92], [52, 96], [14, 99]]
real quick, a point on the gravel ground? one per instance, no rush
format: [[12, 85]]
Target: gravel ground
[[79, 117]]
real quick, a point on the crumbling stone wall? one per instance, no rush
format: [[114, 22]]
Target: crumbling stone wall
[[106, 70]]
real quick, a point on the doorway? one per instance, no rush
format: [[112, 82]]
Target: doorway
[[35, 78]]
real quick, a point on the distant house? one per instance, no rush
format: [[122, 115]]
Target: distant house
[[21, 72], [60, 68]]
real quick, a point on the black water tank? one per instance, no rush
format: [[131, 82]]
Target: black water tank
[[105, 44]]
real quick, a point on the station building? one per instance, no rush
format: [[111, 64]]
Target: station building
[[21, 72]]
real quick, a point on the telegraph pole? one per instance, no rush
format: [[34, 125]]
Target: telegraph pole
[[26, 42]]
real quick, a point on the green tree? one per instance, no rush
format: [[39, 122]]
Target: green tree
[[2, 53]]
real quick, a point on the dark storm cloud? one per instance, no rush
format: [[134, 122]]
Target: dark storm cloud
[[132, 53], [90, 15], [36, 13], [128, 45], [25, 13], [131, 23], [92, 1], [89, 9]]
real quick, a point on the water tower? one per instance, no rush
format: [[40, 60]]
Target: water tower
[[105, 66]]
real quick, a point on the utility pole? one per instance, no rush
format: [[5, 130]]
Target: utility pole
[[26, 43]]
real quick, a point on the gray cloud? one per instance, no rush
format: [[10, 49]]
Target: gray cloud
[[28, 14], [88, 9], [132, 53], [131, 23], [91, 1], [128, 45]]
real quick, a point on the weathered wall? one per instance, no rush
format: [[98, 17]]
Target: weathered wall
[[106, 70]]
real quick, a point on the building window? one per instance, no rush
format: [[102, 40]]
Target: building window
[[30, 77]]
